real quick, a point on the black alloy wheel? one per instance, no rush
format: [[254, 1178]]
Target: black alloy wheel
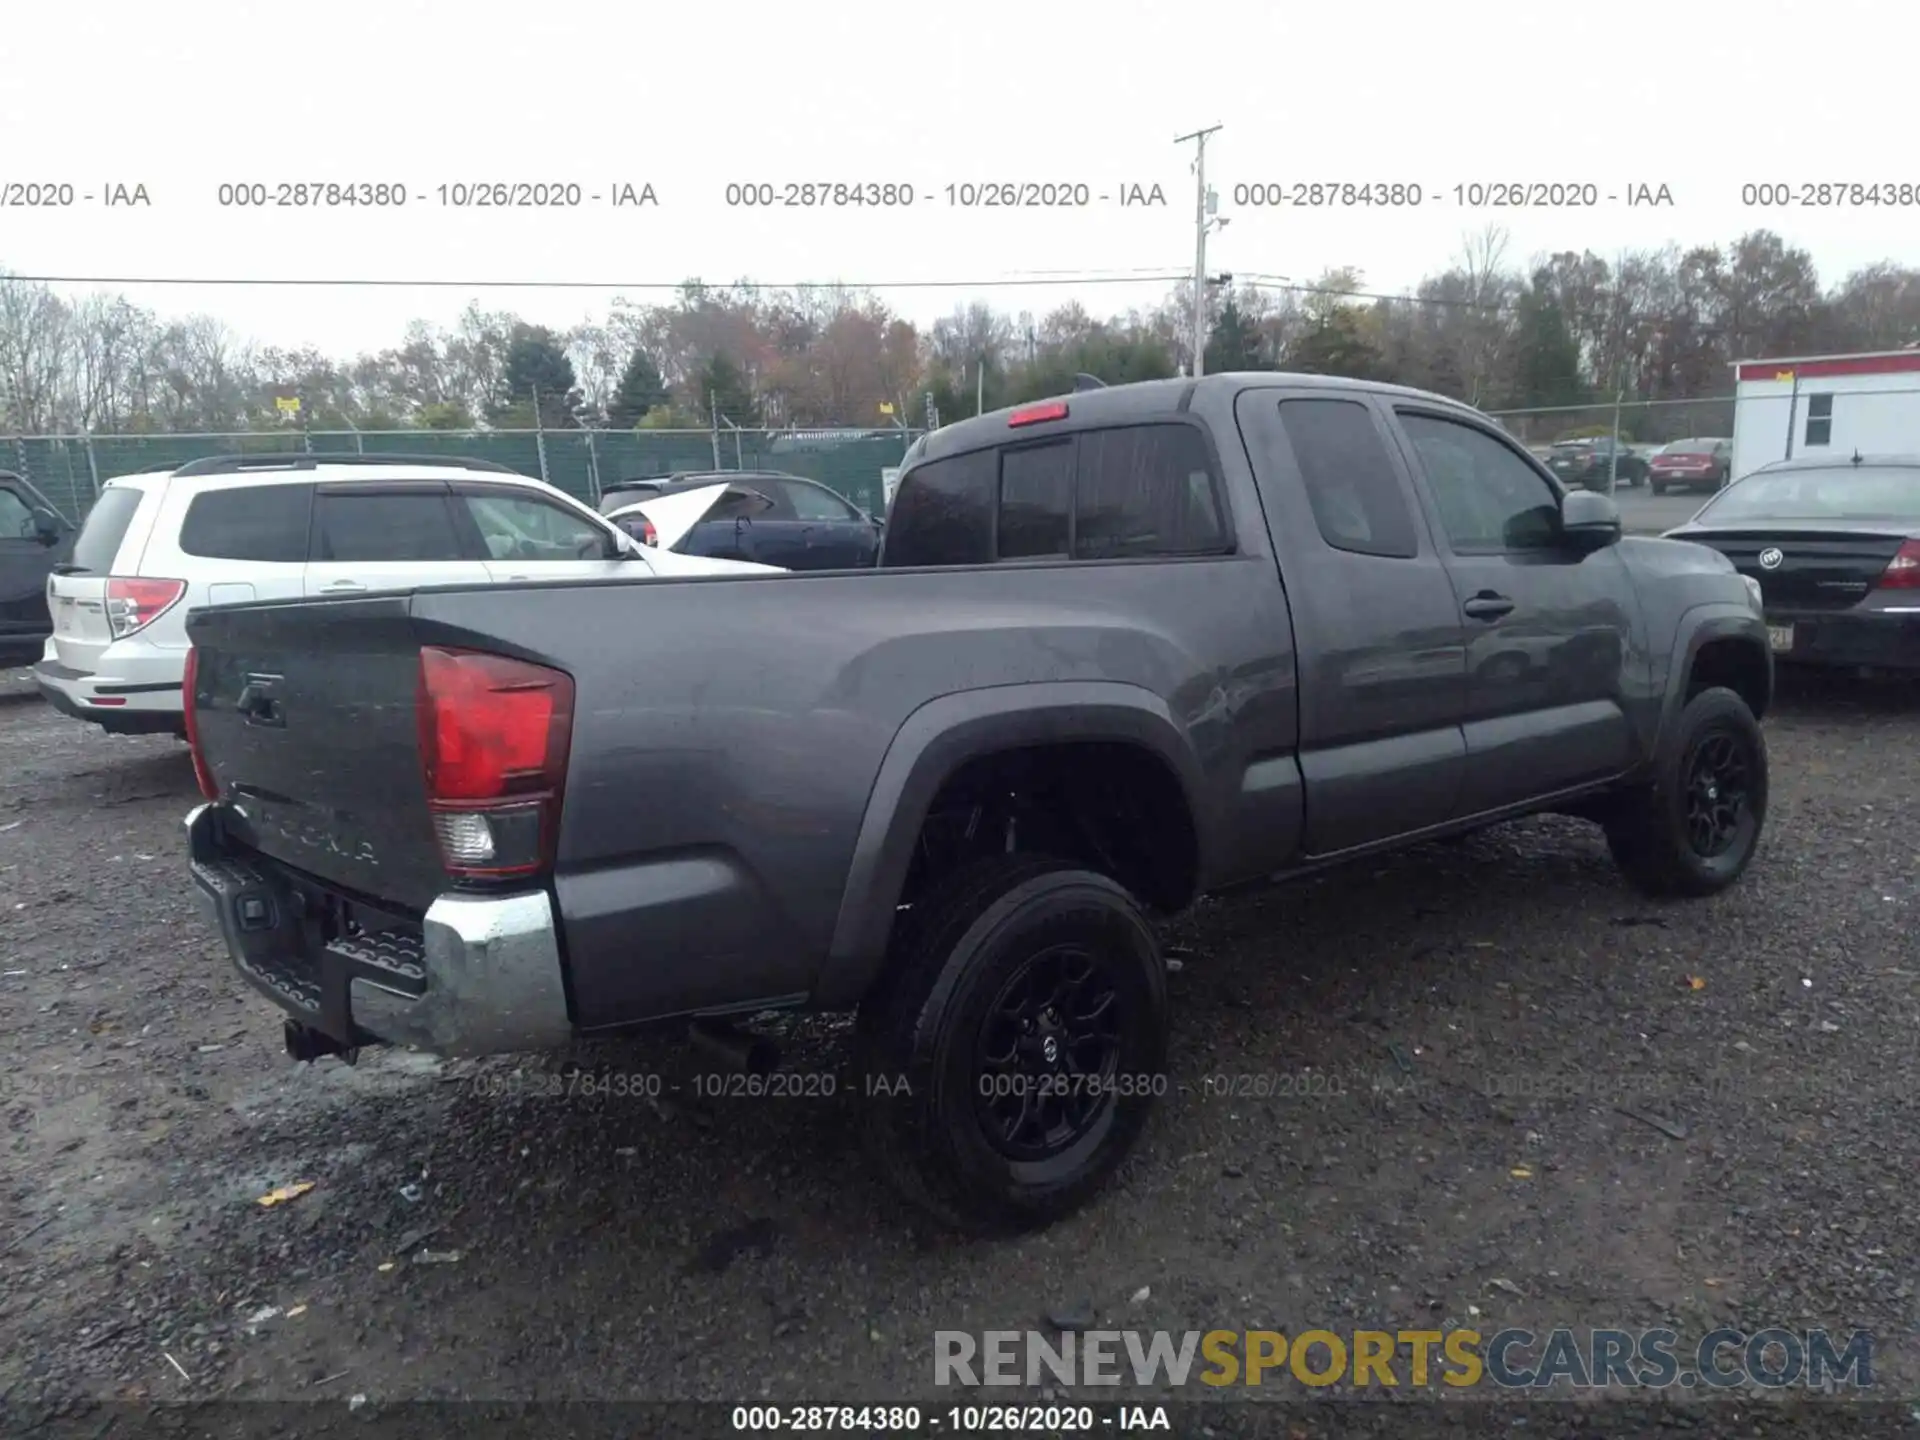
[[1015, 1043], [1718, 775], [1048, 1050], [1694, 825]]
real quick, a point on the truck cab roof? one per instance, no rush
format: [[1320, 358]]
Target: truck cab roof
[[1136, 400]]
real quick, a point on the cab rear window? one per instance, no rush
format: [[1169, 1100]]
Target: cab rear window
[[1118, 492], [943, 513], [106, 527]]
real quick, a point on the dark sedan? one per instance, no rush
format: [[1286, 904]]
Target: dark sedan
[[1585, 463], [1835, 547], [765, 517]]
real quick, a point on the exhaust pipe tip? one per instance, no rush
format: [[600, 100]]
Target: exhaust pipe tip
[[748, 1054]]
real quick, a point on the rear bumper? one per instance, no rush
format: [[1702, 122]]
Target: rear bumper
[[1874, 639], [140, 696], [477, 975]]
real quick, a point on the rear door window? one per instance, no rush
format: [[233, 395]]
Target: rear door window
[[105, 528], [16, 517], [265, 523], [812, 502], [742, 503], [1351, 483], [385, 526]]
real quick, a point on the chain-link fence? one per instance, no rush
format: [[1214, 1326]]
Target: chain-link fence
[[1880, 416], [70, 469], [1643, 423]]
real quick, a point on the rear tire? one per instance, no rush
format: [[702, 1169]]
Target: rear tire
[[1694, 829], [999, 1145], [1656, 487]]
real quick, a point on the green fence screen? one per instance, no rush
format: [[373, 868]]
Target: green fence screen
[[70, 469]]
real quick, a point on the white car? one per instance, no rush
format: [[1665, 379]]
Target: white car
[[234, 529]]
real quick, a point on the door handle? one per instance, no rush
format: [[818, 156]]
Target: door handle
[[341, 587], [1488, 606]]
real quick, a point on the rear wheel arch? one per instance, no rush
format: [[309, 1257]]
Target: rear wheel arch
[[1119, 731]]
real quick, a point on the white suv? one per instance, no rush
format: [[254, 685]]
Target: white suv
[[233, 529]]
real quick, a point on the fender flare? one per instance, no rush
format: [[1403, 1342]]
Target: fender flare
[[944, 734], [1699, 626]]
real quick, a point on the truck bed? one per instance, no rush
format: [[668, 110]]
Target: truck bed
[[729, 734]]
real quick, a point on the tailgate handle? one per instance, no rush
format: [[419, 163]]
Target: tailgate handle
[[257, 704]]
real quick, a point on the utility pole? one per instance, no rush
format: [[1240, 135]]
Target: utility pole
[[1793, 410], [1199, 245]]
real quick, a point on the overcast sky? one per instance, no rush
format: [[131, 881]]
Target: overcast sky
[[1701, 97]]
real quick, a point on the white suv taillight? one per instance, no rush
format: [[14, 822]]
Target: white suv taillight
[[494, 736], [134, 602]]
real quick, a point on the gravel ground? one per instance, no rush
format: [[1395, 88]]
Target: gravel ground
[[1475, 1018]]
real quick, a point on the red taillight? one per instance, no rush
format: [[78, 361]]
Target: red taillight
[[134, 602], [1903, 571], [649, 535], [494, 734], [189, 692], [1037, 414]]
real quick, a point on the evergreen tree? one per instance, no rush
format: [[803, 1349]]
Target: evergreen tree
[[640, 390]]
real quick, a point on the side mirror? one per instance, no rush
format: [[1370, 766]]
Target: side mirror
[[48, 527], [1589, 520]]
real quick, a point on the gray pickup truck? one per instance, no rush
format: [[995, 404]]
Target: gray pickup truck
[[1122, 649]]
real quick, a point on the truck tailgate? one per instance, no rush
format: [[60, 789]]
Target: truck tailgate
[[306, 717]]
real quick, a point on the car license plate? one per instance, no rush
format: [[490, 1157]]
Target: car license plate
[[1780, 637]]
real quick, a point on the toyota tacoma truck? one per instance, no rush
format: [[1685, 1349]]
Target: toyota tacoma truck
[[1122, 649]]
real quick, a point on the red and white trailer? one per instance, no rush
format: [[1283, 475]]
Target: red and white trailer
[[1805, 405]]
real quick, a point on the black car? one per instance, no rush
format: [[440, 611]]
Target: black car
[[34, 537], [764, 516], [622, 493], [1835, 548], [1584, 464]]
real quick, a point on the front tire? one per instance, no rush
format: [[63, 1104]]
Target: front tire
[[1694, 829], [1013, 1053]]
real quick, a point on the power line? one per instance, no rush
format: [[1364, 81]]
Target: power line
[[1160, 278], [1021, 280], [1025, 279], [1259, 281]]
